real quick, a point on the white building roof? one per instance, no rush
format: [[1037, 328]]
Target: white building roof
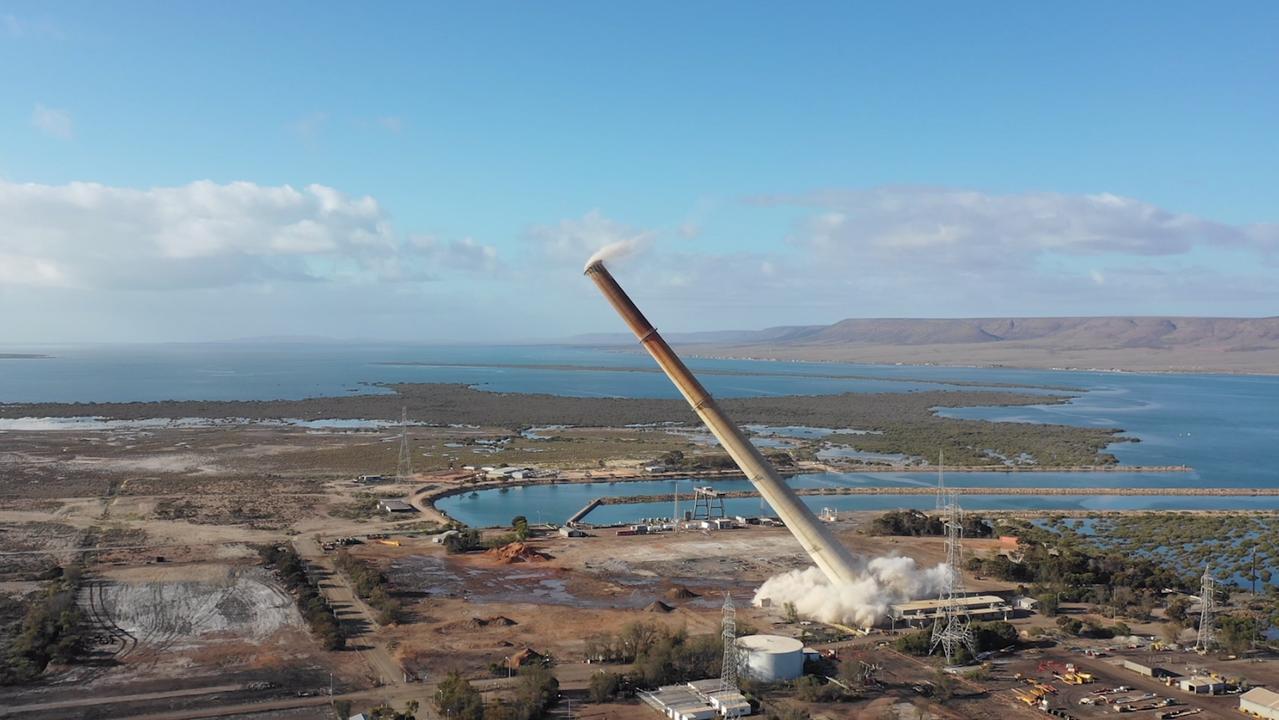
[[1262, 696], [970, 601], [770, 644]]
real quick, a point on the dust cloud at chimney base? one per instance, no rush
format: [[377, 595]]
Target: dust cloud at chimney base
[[865, 601]]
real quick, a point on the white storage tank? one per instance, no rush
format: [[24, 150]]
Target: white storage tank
[[770, 658]]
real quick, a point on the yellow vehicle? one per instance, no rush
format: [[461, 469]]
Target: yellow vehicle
[[1075, 678], [1030, 697]]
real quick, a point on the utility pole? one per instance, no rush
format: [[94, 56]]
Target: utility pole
[[951, 629], [1254, 571], [1207, 605], [675, 520], [405, 466], [728, 668]]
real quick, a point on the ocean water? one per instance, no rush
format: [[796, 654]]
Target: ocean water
[[1225, 427], [290, 372]]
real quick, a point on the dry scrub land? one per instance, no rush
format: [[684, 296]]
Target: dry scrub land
[[164, 520]]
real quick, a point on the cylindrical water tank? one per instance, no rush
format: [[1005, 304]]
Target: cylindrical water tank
[[769, 658]]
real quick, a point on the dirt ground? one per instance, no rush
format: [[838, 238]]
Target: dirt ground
[[1109, 675], [165, 522]]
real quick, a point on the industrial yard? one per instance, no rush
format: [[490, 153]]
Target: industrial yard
[[256, 569], [188, 621]]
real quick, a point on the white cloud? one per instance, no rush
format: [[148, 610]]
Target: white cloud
[[968, 227], [52, 122], [391, 123], [464, 254], [204, 234], [572, 241], [902, 252]]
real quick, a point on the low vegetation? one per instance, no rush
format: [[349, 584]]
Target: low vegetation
[[987, 637], [1077, 571], [1189, 541], [372, 586], [53, 629], [660, 655], [535, 692], [606, 686], [362, 506], [916, 523], [903, 423], [319, 615], [464, 541], [678, 460]]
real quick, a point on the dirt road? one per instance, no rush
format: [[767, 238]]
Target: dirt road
[[100, 700], [354, 614]]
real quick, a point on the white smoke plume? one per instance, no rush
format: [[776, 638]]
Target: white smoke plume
[[884, 581], [616, 250]]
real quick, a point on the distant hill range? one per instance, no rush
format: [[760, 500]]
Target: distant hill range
[[1184, 344]]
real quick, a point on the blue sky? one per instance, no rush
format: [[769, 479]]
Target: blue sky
[[977, 159]]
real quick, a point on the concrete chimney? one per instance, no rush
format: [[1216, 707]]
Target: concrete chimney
[[833, 559]]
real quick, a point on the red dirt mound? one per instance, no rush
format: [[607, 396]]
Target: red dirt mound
[[517, 552]]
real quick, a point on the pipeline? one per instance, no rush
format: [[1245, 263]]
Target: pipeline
[[827, 553]]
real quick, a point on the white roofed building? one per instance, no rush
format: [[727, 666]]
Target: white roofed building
[[1260, 702]]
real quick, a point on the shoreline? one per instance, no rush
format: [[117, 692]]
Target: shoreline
[[654, 370], [429, 494], [1002, 366], [903, 423], [690, 352]]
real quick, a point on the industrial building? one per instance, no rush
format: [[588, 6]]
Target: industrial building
[[444, 536], [770, 658], [977, 607], [1202, 685], [1260, 702], [699, 700], [1025, 603], [727, 702], [394, 506], [1147, 670]]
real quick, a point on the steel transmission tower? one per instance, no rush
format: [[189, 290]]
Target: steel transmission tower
[[1207, 606], [951, 628], [728, 670], [405, 466]]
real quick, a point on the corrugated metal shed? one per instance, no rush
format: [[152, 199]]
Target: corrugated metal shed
[[1261, 703]]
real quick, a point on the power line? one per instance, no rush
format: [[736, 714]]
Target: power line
[[951, 629], [404, 470], [1207, 606]]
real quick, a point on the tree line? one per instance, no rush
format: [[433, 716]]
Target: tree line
[[536, 690], [315, 609], [916, 523], [371, 585]]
